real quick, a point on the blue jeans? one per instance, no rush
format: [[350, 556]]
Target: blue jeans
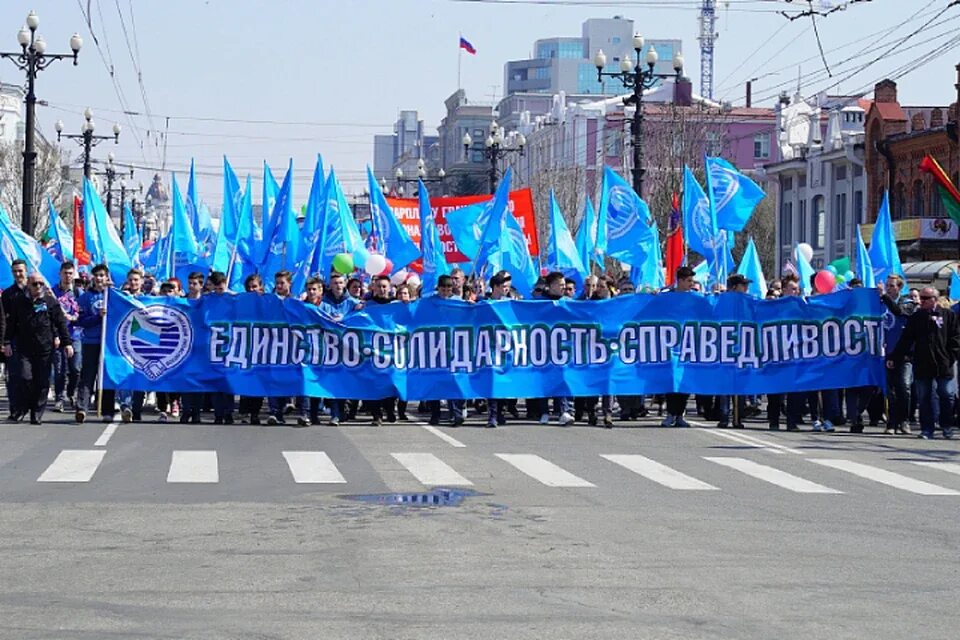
[[723, 407], [936, 408], [278, 403], [899, 381], [66, 372], [561, 404]]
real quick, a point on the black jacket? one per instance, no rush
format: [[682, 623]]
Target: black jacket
[[34, 323], [9, 294], [935, 339]]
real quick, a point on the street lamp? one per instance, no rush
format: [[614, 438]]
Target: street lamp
[[633, 76], [421, 176], [495, 148], [33, 58], [86, 137], [111, 172]]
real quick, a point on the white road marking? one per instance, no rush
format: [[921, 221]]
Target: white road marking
[[313, 467], [949, 467], [440, 434], [73, 466], [659, 473], [752, 441], [771, 475], [106, 435], [543, 470], [430, 470], [194, 466], [887, 477]]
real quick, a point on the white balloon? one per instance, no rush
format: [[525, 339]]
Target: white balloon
[[375, 264], [399, 277], [806, 251], [413, 280]]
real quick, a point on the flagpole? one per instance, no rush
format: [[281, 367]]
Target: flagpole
[[103, 347], [459, 60]]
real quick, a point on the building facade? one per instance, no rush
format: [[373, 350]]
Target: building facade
[[464, 117], [404, 148], [566, 63], [818, 176], [11, 113], [897, 139]]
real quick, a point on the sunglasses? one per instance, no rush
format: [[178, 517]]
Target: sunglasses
[[36, 284], [928, 297]]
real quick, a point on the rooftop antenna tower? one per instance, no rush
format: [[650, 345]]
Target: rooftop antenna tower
[[708, 35]]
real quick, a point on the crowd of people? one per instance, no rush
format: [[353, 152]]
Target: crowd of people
[[54, 334]]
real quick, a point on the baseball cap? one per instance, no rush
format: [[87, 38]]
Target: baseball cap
[[738, 280]]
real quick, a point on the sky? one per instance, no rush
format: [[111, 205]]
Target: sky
[[274, 80]]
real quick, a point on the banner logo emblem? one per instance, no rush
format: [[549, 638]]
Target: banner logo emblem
[[155, 339]]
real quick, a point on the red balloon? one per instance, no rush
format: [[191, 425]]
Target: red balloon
[[544, 271], [825, 281], [387, 270]]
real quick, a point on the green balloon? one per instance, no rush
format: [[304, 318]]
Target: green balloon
[[842, 265], [343, 263], [841, 279]]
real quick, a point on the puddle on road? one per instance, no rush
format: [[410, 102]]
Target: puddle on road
[[438, 497]]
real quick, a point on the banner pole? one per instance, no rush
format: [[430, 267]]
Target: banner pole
[[103, 346]]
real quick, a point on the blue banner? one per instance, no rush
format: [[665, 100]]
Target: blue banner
[[262, 345]]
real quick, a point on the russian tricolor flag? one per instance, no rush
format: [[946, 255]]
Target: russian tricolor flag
[[465, 45]]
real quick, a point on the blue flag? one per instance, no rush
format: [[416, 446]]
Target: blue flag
[[864, 265], [131, 236], [646, 268], [340, 233], [562, 253], [200, 221], [184, 250], [699, 222], [266, 223], [434, 259], [311, 230], [15, 244], [804, 271], [735, 196], [229, 220], [392, 239], [61, 240], [751, 268], [249, 239], [587, 236], [883, 245], [505, 248], [103, 240], [284, 244], [626, 217]]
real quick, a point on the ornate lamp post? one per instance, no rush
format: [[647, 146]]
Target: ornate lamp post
[[634, 76], [33, 58], [495, 149], [421, 176], [86, 138]]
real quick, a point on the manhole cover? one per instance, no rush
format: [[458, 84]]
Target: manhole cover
[[435, 498]]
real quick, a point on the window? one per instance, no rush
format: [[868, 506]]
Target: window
[[840, 172], [573, 50], [786, 223], [713, 146], [761, 146], [541, 73], [917, 199], [615, 40], [476, 156], [786, 183], [858, 206], [802, 181], [818, 229], [936, 204], [899, 202], [840, 218]]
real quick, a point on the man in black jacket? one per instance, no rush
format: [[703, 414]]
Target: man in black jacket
[[18, 269], [934, 335], [38, 328]]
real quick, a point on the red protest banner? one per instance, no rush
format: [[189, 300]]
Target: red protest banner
[[407, 212], [80, 254]]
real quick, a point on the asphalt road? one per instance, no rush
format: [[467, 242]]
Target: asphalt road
[[169, 531]]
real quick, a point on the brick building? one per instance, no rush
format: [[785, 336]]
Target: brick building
[[897, 137]]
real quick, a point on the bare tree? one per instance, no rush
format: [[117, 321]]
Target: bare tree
[[47, 181]]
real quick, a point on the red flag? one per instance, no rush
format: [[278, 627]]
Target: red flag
[[676, 252], [80, 254]]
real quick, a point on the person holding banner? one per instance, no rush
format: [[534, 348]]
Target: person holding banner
[[93, 310], [131, 402], [66, 371], [790, 286], [191, 404], [337, 303], [555, 282], [445, 292], [677, 402], [900, 377], [933, 334], [282, 288], [38, 327], [500, 284], [250, 405], [222, 400], [380, 294]]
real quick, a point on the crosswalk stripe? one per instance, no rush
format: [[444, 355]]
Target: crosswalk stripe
[[772, 475], [194, 467], [313, 467], [659, 473], [73, 466], [887, 477], [430, 470], [949, 467], [543, 470]]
